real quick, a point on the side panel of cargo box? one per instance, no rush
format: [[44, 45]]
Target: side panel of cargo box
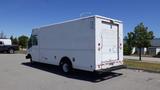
[[73, 39]]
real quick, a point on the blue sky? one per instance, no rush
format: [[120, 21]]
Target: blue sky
[[18, 17]]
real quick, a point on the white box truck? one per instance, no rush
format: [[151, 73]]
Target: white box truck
[[93, 43]]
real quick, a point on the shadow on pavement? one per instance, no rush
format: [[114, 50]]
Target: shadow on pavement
[[77, 74]]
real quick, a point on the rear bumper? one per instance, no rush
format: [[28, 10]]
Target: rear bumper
[[111, 69]]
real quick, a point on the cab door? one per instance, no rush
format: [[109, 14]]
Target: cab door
[[34, 47]]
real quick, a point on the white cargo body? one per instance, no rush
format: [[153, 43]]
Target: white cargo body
[[92, 43]]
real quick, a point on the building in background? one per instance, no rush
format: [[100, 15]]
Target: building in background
[[153, 50], [155, 47]]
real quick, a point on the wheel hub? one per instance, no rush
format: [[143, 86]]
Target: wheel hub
[[65, 67]]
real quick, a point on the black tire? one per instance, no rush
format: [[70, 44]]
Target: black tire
[[66, 67], [11, 51], [31, 61], [30, 57]]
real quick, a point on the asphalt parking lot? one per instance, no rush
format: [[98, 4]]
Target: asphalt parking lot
[[16, 73]]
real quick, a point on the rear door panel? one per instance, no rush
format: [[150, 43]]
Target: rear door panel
[[109, 43], [109, 36]]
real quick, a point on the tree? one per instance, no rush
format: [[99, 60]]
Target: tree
[[14, 40], [128, 45], [23, 41], [11, 38], [127, 50], [141, 37]]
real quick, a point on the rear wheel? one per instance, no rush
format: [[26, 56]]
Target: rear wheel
[[11, 51], [66, 67]]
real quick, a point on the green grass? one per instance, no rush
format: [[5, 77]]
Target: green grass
[[134, 64], [20, 52]]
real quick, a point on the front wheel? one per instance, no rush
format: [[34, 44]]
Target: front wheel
[[66, 67], [31, 61]]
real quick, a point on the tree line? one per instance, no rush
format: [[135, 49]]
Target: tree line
[[21, 41]]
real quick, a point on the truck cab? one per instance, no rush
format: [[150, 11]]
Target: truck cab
[[6, 46], [32, 51]]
